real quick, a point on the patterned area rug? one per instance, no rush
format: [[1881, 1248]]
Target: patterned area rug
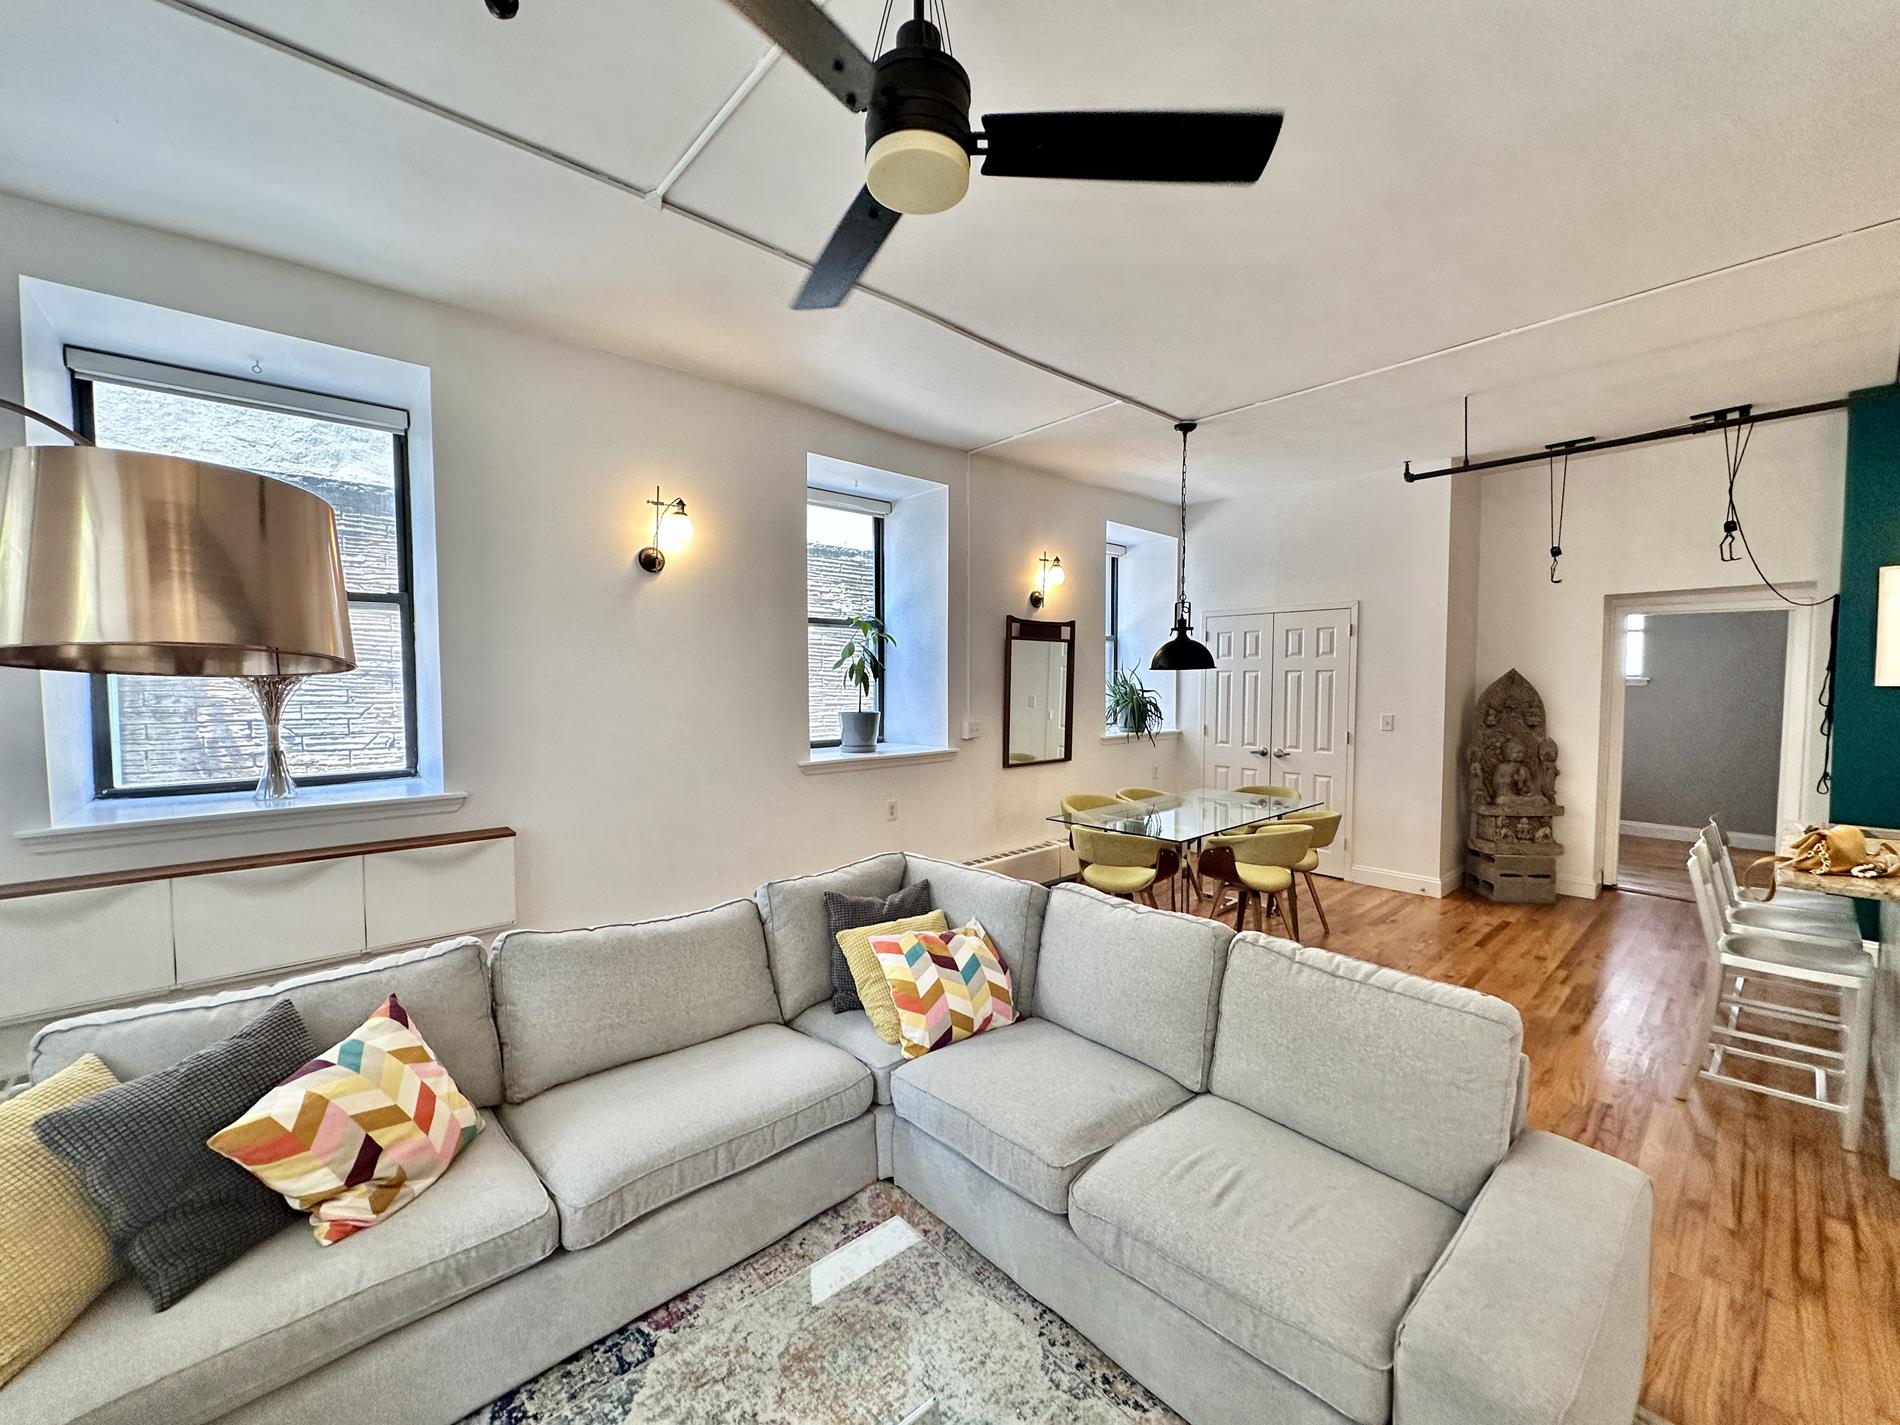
[[713, 1343]]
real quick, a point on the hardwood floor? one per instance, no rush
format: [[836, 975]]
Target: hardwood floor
[[1776, 1271], [1656, 867]]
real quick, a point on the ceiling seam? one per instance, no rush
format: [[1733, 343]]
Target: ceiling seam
[[1046, 425], [646, 196], [1542, 322], [718, 121]]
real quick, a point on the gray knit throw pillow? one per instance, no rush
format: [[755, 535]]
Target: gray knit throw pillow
[[856, 912], [174, 1210]]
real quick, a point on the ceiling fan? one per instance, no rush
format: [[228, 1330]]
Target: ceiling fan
[[918, 141]]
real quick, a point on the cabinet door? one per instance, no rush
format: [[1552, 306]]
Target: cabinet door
[[84, 947], [437, 891], [250, 922]]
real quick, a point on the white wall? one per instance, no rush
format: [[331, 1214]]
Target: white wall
[[1374, 539], [1638, 521], [641, 733]]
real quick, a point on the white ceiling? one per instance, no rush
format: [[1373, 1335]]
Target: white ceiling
[[1467, 199]]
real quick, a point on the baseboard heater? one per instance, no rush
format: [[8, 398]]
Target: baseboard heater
[[1043, 861]]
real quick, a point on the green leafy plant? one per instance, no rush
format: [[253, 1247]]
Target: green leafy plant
[[1132, 705], [862, 656]]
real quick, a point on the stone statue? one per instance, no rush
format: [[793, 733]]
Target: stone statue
[[1511, 783]]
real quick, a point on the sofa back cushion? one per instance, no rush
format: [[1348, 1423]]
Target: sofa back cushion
[[1145, 983], [1010, 910], [1416, 1079], [570, 1003], [797, 934], [444, 986]]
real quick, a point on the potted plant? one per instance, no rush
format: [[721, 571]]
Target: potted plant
[[862, 659], [1133, 707]]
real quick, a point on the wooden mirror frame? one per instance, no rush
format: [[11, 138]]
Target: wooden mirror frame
[[1036, 631]]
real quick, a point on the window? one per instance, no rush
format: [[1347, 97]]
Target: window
[[844, 579], [1633, 648], [1112, 617], [175, 736]]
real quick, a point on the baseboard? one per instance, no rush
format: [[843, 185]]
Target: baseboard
[[1742, 840], [1411, 884], [1450, 879]]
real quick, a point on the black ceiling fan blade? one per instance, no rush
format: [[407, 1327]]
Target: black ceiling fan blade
[[853, 244], [1131, 146], [813, 38]]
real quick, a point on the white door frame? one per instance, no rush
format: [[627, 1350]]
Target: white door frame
[[1352, 698], [1797, 696]]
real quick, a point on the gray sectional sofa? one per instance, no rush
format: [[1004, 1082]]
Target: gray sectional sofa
[[1274, 1183]]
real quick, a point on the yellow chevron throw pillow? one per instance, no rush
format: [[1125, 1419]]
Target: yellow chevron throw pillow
[[874, 991], [54, 1256], [357, 1132]]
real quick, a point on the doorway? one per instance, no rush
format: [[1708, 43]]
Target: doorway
[[1277, 709], [1704, 708]]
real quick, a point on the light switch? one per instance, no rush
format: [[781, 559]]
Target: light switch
[[1385, 722]]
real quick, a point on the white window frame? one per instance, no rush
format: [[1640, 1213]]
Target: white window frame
[[55, 317], [1635, 649]]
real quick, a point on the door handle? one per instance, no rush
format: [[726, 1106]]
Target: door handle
[[1279, 752], [1257, 751]]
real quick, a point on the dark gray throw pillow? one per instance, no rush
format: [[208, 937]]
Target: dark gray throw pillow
[[174, 1210], [855, 912]]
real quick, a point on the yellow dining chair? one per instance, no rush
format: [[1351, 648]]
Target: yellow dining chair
[[1087, 801], [1258, 864], [1325, 826], [1119, 865], [1268, 790], [1140, 794], [1148, 794]]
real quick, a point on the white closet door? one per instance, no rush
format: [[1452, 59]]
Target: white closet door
[[1236, 718], [1310, 717]]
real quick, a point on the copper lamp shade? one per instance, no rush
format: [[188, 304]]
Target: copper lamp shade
[[114, 561]]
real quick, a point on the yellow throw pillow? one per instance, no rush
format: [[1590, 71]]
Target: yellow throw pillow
[[54, 1257], [874, 991]]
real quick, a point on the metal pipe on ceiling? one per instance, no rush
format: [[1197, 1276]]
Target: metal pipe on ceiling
[[1720, 420]]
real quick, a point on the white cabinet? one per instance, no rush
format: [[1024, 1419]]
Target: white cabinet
[[84, 946], [432, 891], [247, 922]]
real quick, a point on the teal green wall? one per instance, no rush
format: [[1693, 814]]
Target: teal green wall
[[1866, 718]]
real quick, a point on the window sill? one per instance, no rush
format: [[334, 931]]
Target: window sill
[[132, 820], [830, 759], [1112, 736]]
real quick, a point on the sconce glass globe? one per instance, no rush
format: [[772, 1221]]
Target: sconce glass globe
[[1055, 576], [676, 529]]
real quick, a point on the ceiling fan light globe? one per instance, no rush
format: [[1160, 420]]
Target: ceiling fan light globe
[[917, 171]]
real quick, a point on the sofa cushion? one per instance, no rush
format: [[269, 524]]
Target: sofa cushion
[[616, 1145], [1297, 1254], [855, 1034], [796, 931], [1010, 909], [288, 1307], [1143, 982], [844, 913], [573, 1002], [444, 986], [175, 1211], [1031, 1105], [1412, 1077]]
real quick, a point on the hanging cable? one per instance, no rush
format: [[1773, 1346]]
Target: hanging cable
[[1732, 452], [1733, 530], [883, 25], [1559, 497]]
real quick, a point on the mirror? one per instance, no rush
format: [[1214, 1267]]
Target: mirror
[[1038, 691]]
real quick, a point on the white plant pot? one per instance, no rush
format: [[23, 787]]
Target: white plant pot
[[857, 731]]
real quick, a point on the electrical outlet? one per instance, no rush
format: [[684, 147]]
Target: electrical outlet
[[890, 811], [1385, 722], [972, 729], [1154, 772]]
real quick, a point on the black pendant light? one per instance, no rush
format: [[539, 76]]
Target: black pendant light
[[1181, 654]]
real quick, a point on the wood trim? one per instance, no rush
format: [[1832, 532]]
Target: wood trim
[[62, 884]]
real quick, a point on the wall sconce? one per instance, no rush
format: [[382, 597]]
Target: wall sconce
[[1887, 629], [672, 531], [1049, 576]]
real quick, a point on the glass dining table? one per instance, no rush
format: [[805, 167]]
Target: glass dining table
[[1183, 818]]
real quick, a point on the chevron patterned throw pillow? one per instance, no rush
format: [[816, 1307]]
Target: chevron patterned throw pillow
[[357, 1132], [946, 986]]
